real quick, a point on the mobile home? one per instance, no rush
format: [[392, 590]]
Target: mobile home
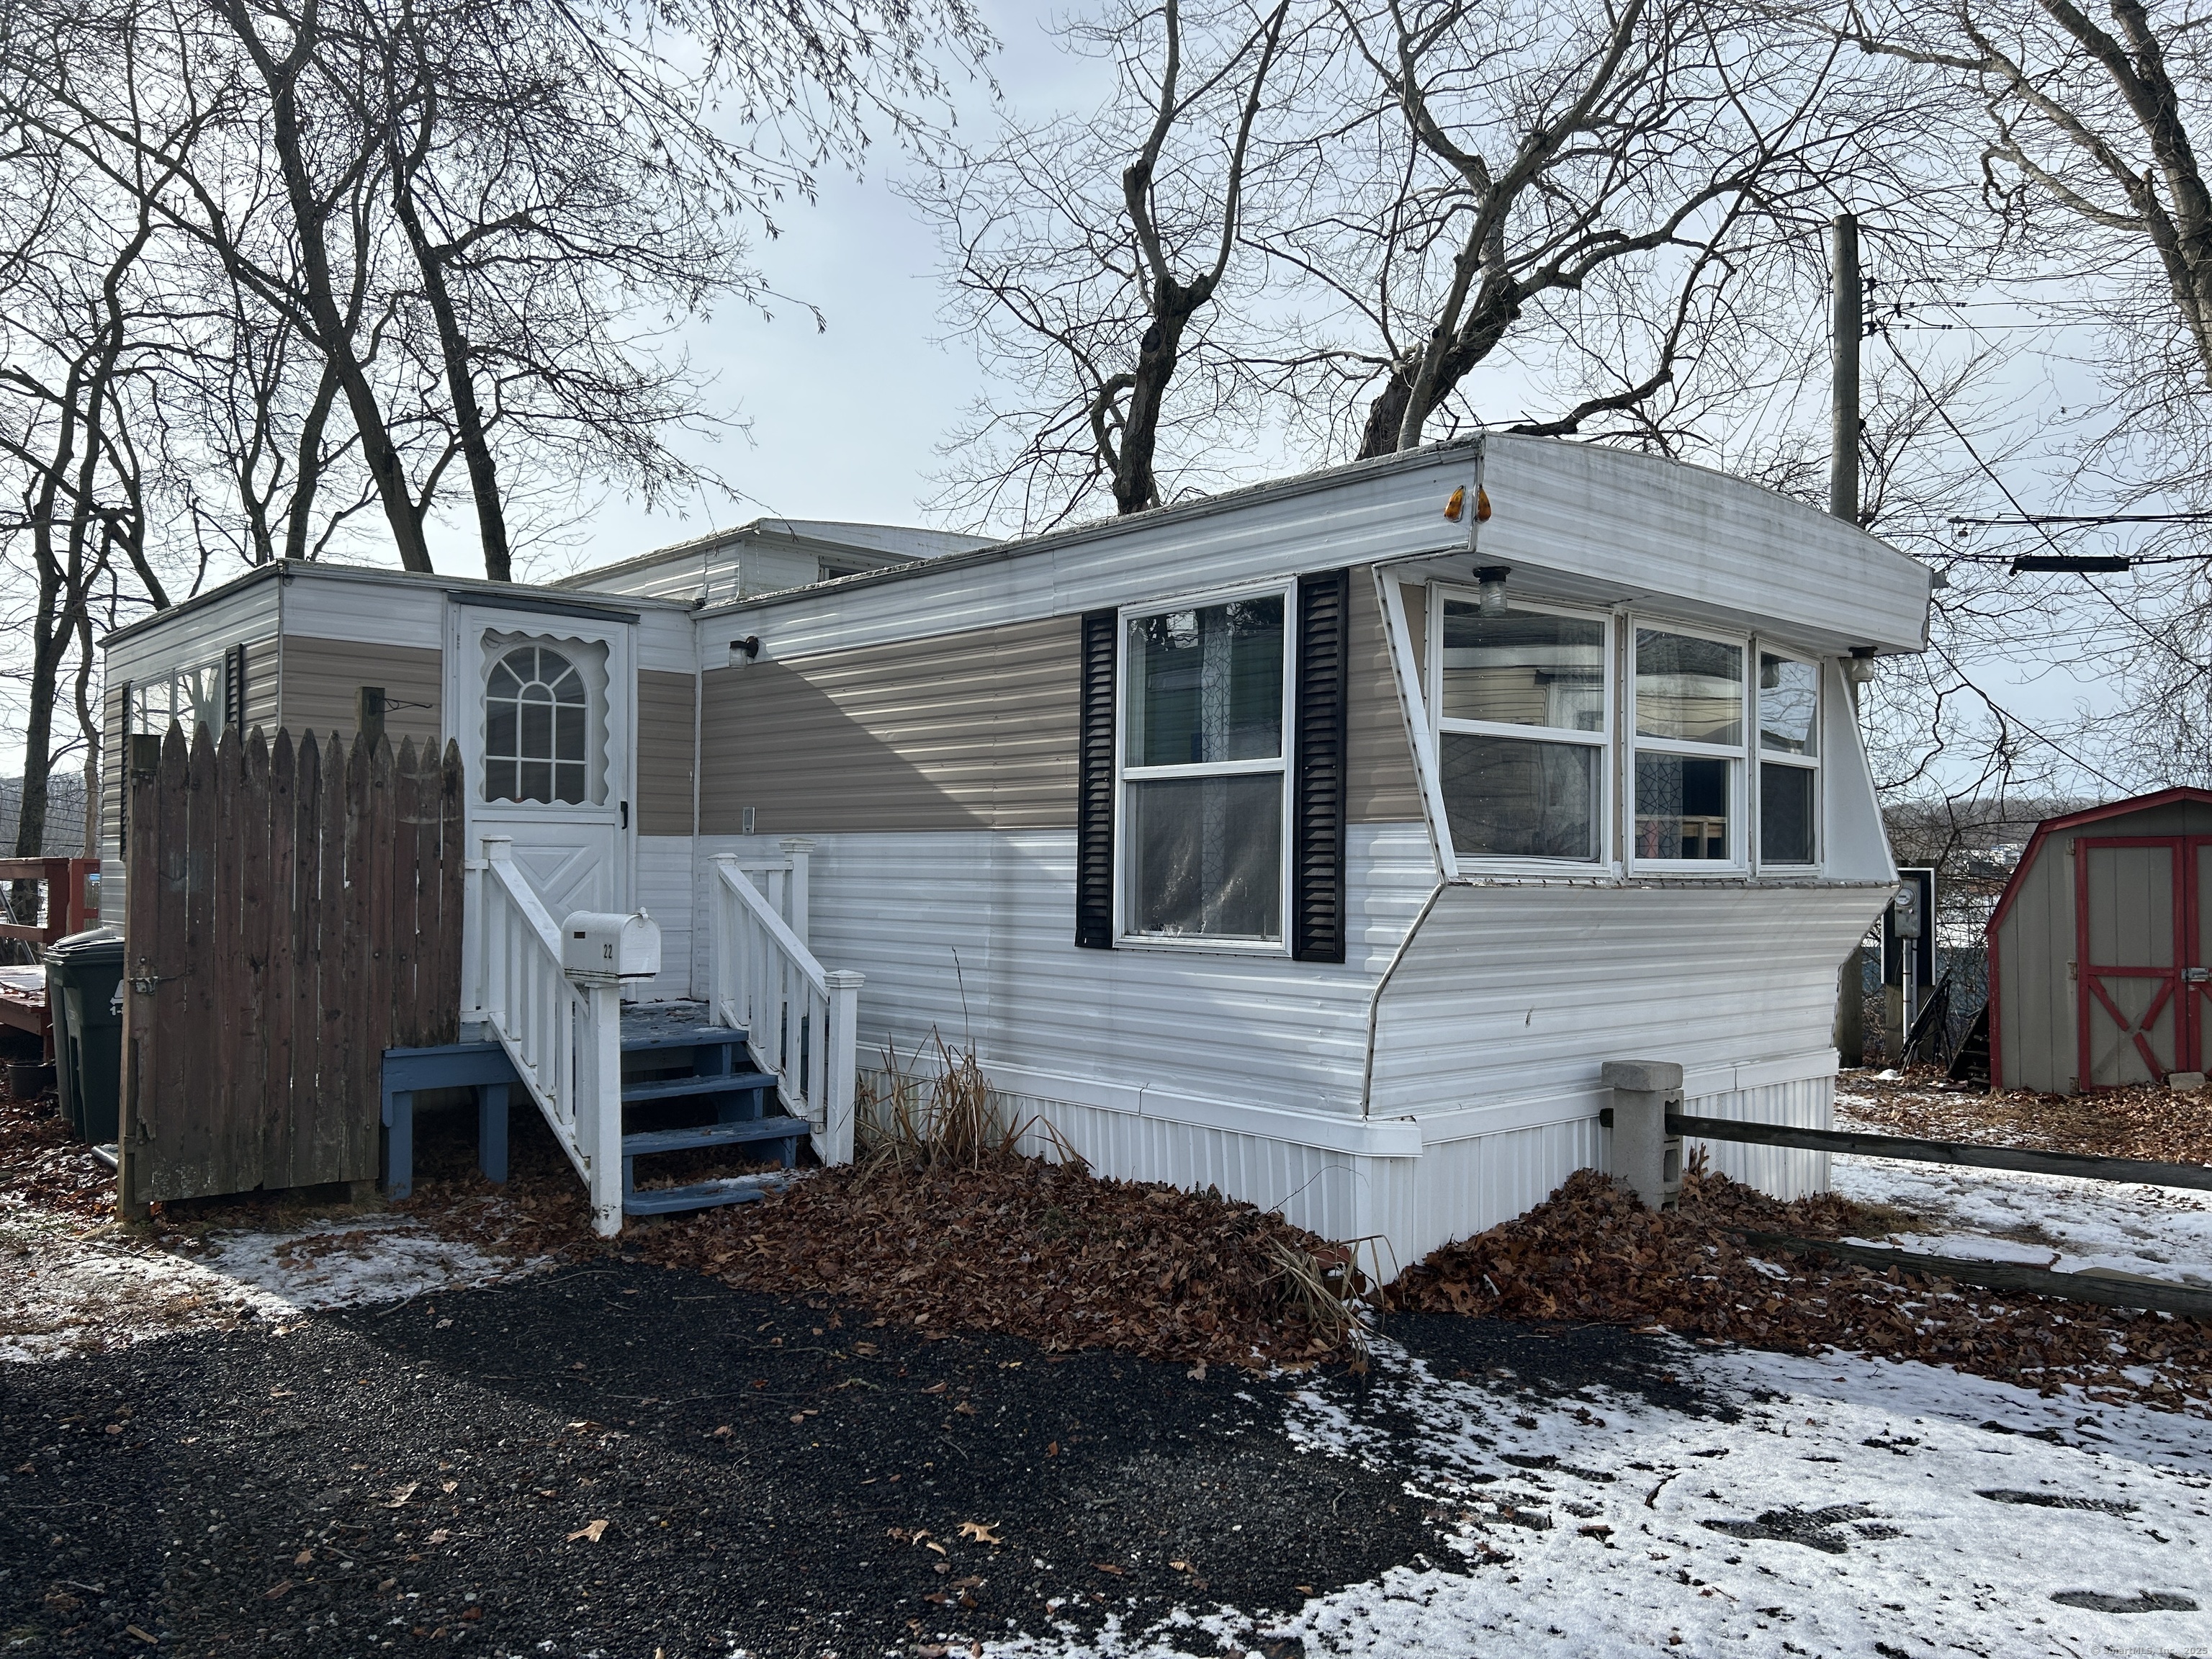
[[1317, 841]]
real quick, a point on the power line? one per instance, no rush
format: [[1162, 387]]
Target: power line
[[2005, 489]]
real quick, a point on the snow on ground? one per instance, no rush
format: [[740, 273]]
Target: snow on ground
[[64, 1291], [2161, 1232], [1851, 1506]]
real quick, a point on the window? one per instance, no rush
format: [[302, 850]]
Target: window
[[1789, 759], [1522, 732], [190, 697], [1688, 758], [1202, 772], [536, 713]]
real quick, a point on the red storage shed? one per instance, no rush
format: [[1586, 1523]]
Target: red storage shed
[[2100, 949]]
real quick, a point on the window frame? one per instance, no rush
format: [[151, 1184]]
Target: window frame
[[1743, 817], [169, 684], [1125, 937], [553, 762], [1440, 725], [1813, 763]]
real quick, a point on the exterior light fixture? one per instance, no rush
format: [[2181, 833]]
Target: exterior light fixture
[[1457, 505], [1489, 589], [1858, 667], [747, 647]]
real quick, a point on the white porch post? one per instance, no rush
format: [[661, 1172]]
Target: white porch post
[[842, 1059], [723, 971], [487, 964], [473, 941], [603, 1133], [796, 848]]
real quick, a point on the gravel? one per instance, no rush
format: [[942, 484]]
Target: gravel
[[771, 1474]]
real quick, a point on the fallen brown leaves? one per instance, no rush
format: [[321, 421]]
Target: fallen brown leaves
[[1037, 1250], [1590, 1252], [2151, 1121], [45, 1167]]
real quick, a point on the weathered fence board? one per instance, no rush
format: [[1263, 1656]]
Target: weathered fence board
[[291, 912]]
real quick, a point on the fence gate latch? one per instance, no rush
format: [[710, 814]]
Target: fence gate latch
[[145, 983], [2197, 975]]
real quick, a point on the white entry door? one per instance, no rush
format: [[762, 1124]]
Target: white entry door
[[543, 708]]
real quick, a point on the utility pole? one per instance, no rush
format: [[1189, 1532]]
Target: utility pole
[[1843, 502], [1843, 400]]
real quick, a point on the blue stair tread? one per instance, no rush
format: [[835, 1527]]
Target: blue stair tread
[[685, 1088], [696, 1036], [648, 1026], [704, 1195], [714, 1135]]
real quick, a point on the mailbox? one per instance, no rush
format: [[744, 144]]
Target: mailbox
[[604, 945]]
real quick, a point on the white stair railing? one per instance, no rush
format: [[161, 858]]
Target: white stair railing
[[797, 1016], [564, 1039]]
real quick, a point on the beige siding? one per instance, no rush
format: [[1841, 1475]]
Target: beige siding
[[966, 730], [1380, 786], [262, 659], [323, 679], [2035, 1017], [664, 753]]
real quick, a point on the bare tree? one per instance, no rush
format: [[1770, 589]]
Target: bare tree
[[2090, 130], [1093, 259], [1588, 184]]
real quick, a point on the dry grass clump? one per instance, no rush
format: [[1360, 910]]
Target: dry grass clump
[[1592, 1252], [950, 1118]]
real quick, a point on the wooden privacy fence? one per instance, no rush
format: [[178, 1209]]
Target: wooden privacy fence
[[289, 915]]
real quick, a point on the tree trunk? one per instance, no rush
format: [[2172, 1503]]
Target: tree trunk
[[460, 382], [382, 456]]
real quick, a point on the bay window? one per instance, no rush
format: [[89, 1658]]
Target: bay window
[[1688, 695], [1202, 772], [1522, 730], [1789, 759]]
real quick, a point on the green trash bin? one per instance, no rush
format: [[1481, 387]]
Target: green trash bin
[[84, 986]]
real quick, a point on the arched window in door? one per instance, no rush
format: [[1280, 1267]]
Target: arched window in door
[[536, 713]]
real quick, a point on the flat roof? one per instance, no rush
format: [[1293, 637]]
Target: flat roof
[[293, 569]]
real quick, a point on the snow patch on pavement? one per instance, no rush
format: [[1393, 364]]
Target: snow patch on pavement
[[1836, 1504], [2161, 1232], [64, 1291]]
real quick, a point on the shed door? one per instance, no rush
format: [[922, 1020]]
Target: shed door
[[2133, 953]]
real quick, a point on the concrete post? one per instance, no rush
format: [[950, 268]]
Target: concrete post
[[1644, 1156]]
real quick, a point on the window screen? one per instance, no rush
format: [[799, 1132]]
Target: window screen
[[1203, 772]]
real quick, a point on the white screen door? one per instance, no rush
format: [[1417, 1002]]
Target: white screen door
[[544, 714]]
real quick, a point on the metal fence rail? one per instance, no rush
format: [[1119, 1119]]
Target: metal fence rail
[[2142, 1170], [2115, 1290]]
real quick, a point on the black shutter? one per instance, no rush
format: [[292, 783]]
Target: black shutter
[[234, 689], [1094, 806], [1318, 768]]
